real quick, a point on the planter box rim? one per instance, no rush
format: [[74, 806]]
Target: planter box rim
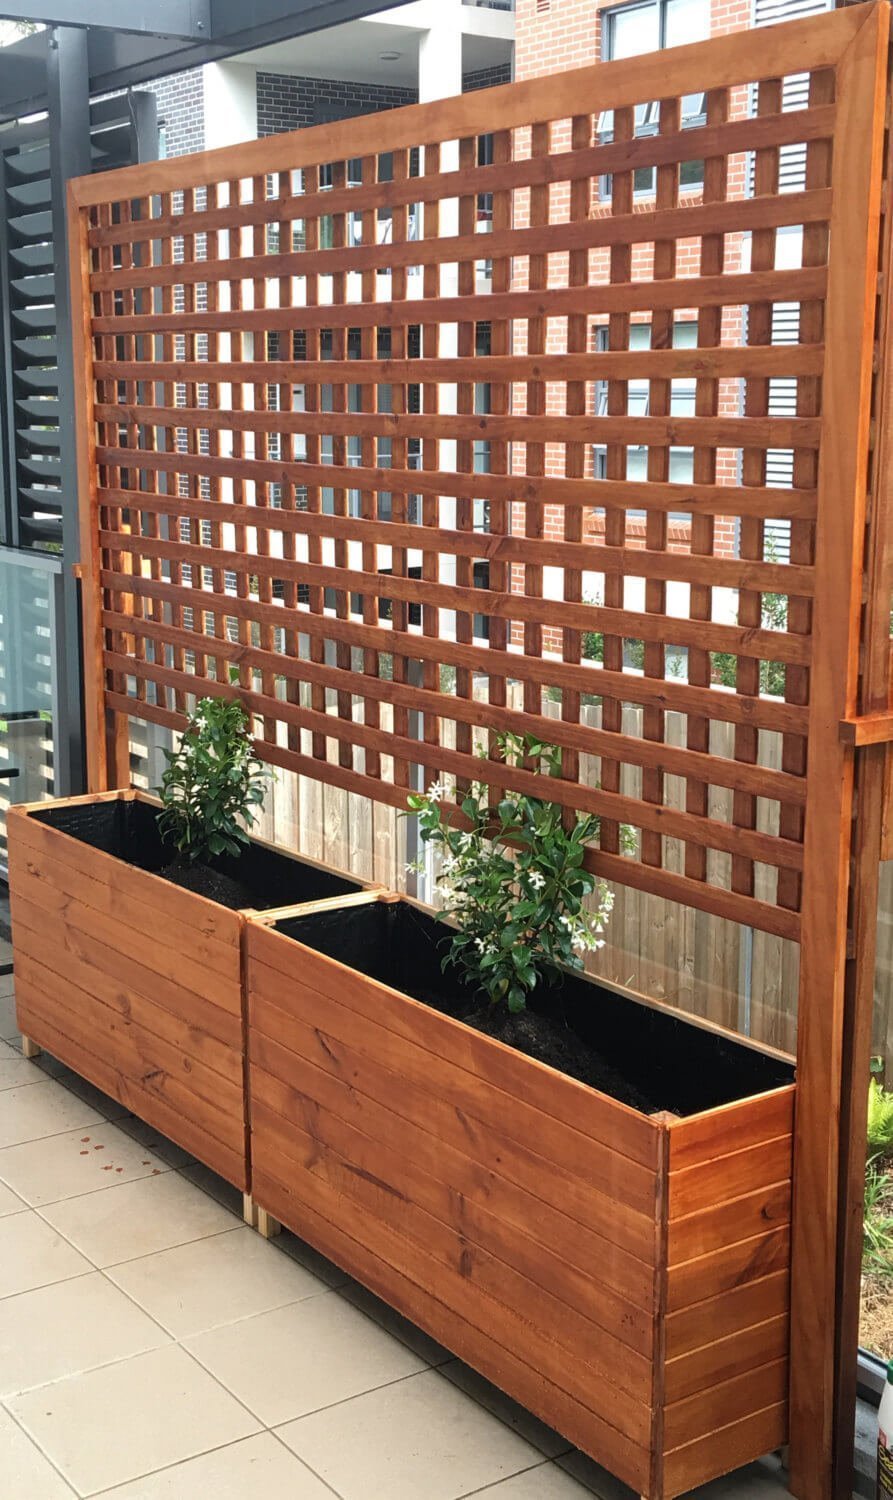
[[368, 889], [658, 1118]]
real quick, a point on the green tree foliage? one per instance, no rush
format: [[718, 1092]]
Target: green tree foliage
[[513, 881], [213, 783]]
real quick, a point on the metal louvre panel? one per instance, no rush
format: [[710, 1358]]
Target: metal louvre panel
[[28, 294]]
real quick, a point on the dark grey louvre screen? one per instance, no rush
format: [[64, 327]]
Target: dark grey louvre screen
[[31, 515]]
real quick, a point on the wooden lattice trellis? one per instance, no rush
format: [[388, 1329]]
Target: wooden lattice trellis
[[328, 426]]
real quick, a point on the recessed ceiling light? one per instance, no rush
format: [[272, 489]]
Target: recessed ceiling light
[[389, 56]]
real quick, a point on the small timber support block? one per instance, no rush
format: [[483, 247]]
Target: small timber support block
[[267, 1226], [249, 1210], [29, 1048]]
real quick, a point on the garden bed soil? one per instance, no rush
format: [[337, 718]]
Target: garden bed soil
[[135, 981], [622, 1273]]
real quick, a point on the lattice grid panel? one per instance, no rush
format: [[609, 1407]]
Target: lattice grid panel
[[409, 427]]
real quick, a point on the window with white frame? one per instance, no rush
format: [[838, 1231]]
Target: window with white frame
[[649, 26]]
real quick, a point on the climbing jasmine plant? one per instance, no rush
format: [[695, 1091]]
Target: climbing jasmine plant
[[513, 881]]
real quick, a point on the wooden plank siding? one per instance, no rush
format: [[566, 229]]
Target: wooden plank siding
[[135, 983], [639, 1265]]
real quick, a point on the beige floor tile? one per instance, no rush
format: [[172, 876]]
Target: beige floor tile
[[520, 1420], [26, 1474], [258, 1466], [34, 1254], [41, 1109], [547, 1482], [15, 1070], [147, 1135], [426, 1348], [201, 1176], [80, 1161], [60, 1330], [594, 1478], [214, 1281], [138, 1218], [108, 1107], [421, 1437], [9, 1026], [10, 1202], [110, 1426], [298, 1358]]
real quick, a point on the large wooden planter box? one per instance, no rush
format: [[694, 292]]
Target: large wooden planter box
[[624, 1276], [133, 982]]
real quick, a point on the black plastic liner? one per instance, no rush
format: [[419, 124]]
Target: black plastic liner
[[128, 830], [681, 1066]]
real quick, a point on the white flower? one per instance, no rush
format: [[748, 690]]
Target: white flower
[[437, 791], [536, 878], [480, 945]]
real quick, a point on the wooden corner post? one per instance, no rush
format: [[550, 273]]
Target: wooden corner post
[[843, 482], [99, 778]]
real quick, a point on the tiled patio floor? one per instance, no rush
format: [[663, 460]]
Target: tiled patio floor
[[153, 1348]]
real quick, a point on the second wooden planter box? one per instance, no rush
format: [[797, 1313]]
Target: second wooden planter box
[[624, 1276], [132, 981]]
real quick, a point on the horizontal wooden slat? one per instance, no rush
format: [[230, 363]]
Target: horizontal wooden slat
[[406, 1037], [725, 1402], [728, 1314], [814, 42], [732, 1266], [690, 1374], [745, 910], [721, 432], [738, 215], [730, 1176], [761, 780], [493, 1294], [143, 1101], [567, 1217], [370, 1250], [716, 703], [732, 1127], [726, 1448], [709, 832], [558, 166], [729, 1220], [730, 361]]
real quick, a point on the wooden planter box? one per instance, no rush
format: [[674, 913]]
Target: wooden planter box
[[623, 1276], [133, 982]]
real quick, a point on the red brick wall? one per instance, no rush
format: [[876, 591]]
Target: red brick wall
[[553, 35]]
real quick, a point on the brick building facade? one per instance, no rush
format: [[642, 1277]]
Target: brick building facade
[[553, 35]]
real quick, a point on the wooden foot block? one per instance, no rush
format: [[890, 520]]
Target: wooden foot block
[[249, 1210], [29, 1048], [267, 1226]]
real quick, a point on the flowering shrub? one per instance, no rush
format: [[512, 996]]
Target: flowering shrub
[[514, 883]]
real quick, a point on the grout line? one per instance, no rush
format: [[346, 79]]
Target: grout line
[[506, 1479], [309, 1467], [36, 1446]]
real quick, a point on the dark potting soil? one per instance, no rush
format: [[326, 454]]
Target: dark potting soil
[[204, 880], [551, 1041]]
